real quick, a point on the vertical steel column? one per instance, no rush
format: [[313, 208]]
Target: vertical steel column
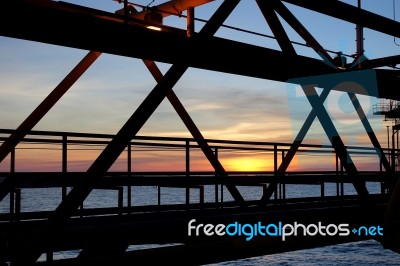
[[32, 251], [359, 40], [126, 11], [190, 22], [47, 104]]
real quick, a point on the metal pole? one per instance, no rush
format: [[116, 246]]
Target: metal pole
[[120, 200], [12, 160], [129, 196], [397, 148], [64, 164], [12, 194], [159, 195], [187, 169], [190, 22], [337, 175], [360, 40], [276, 169], [126, 11], [216, 175], [393, 151], [388, 144], [17, 204]]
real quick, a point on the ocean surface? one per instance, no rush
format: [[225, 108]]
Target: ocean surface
[[351, 254]]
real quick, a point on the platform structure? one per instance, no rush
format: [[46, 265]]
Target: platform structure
[[390, 111], [31, 235]]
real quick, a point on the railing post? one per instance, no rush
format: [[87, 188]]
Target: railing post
[[12, 204], [322, 190], [201, 195], [49, 256], [337, 175], [276, 172], [393, 151], [159, 195], [381, 174], [341, 179], [216, 175], [12, 160], [187, 153], [64, 164], [81, 210], [12, 191], [120, 200], [129, 188], [17, 204]]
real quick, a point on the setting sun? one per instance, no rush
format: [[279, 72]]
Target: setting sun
[[249, 164]]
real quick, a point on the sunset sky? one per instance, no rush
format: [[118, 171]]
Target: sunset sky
[[223, 106]]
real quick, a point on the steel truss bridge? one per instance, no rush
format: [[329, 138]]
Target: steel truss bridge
[[104, 234]]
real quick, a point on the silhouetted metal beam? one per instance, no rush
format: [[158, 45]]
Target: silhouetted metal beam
[[174, 7], [30, 252], [193, 129], [87, 30], [276, 27], [381, 62], [287, 47], [30, 122], [369, 130], [335, 139], [343, 11], [293, 148], [303, 32]]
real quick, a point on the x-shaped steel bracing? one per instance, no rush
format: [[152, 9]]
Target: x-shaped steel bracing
[[30, 252], [268, 9]]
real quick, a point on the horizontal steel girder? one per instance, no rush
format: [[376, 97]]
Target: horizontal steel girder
[[90, 29], [353, 14]]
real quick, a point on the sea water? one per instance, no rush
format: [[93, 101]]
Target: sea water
[[351, 254]]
